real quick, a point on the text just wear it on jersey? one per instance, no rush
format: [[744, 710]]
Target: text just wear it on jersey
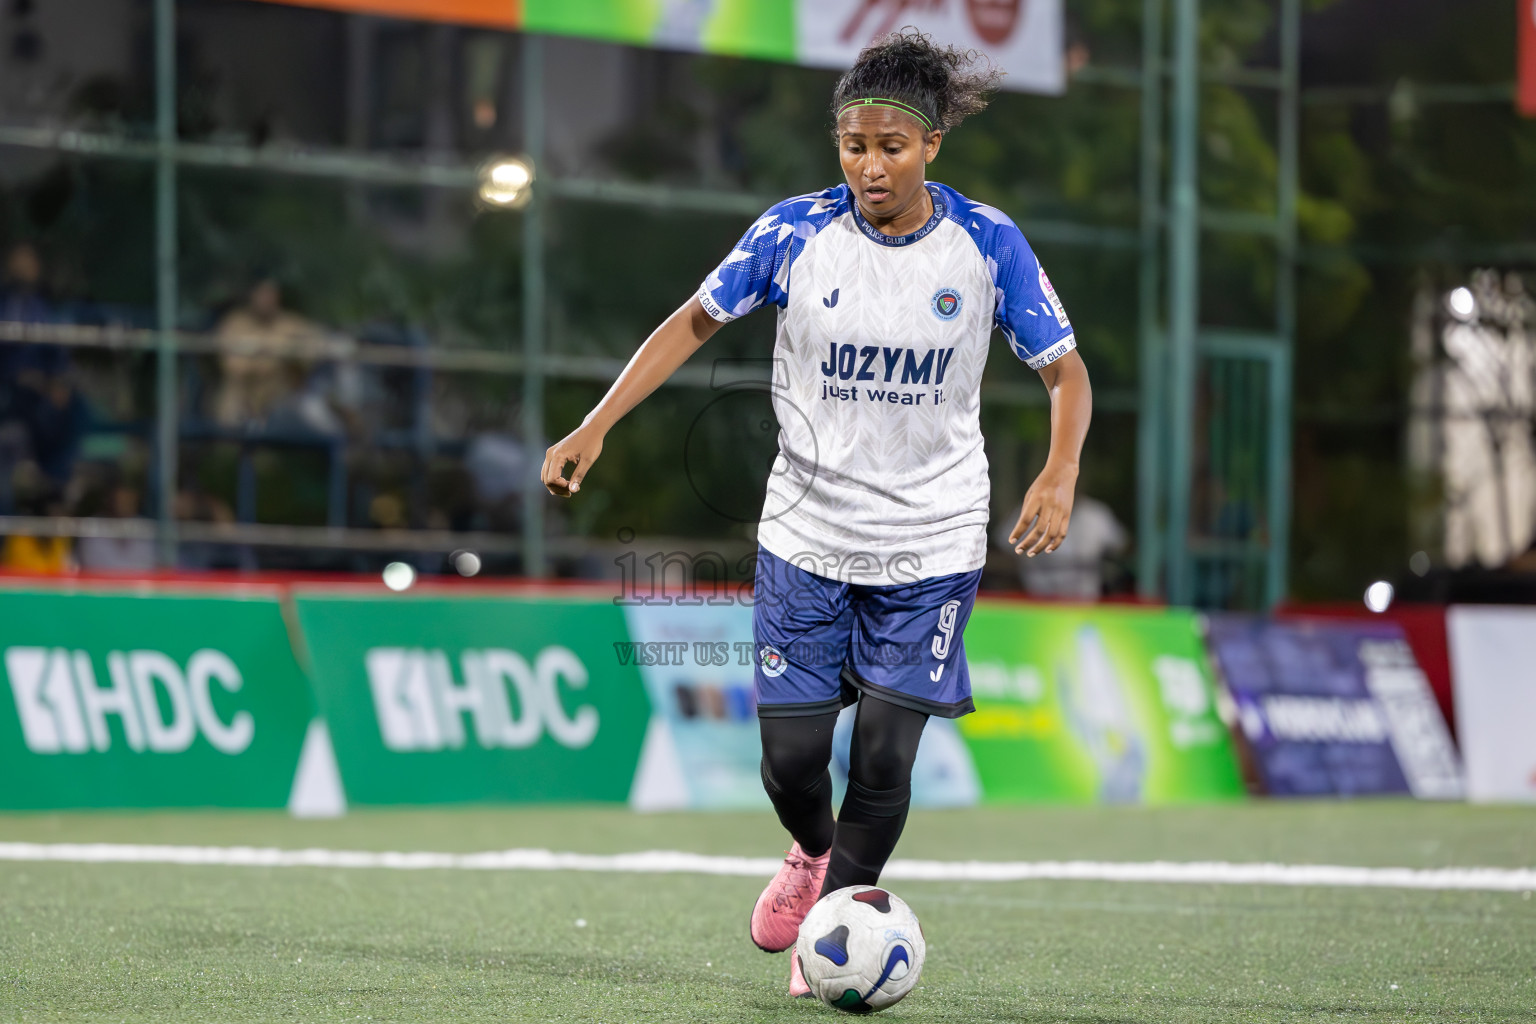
[[878, 360]]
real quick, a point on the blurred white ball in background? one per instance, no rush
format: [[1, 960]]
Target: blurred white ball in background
[[1378, 596], [399, 576]]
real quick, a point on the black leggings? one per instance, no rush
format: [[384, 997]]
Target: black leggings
[[796, 752]]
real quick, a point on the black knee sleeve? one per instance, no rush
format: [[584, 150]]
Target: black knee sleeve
[[874, 812], [868, 826], [794, 770], [864, 802], [885, 741], [796, 751], [817, 786]]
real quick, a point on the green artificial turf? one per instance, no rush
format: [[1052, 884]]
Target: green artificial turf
[[161, 943]]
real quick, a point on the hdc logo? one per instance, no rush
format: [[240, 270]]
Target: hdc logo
[[420, 707], [63, 708]]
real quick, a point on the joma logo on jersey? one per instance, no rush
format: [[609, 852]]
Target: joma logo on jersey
[[65, 704], [892, 365], [421, 707]]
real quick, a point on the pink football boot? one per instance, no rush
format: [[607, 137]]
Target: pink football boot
[[798, 989], [784, 904]]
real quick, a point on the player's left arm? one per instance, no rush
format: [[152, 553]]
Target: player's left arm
[[1047, 508], [1035, 322]]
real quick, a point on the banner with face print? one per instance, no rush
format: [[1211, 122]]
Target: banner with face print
[[1023, 37]]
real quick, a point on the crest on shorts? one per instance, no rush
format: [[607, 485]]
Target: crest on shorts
[[772, 660], [946, 303]]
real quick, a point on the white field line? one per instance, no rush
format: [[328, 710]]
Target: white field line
[[672, 862]]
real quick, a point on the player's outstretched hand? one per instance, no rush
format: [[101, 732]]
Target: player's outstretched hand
[[580, 447], [1047, 510]]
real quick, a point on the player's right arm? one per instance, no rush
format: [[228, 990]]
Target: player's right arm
[[668, 347]]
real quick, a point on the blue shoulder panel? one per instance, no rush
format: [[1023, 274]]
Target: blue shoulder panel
[[757, 269], [1028, 311]]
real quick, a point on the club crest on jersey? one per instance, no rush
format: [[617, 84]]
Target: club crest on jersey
[[946, 303], [773, 661]]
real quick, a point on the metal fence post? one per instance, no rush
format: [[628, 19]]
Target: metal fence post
[[166, 299], [1183, 292], [534, 562], [1279, 455], [1150, 414]]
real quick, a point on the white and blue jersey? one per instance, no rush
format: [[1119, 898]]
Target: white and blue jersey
[[881, 478]]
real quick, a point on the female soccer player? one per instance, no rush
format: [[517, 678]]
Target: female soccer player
[[874, 529]]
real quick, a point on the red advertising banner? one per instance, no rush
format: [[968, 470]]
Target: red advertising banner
[[1527, 34]]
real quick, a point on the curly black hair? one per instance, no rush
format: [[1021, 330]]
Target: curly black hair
[[946, 83]]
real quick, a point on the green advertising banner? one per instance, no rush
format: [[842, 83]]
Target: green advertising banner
[[748, 28], [1090, 704], [441, 700], [148, 700], [153, 699]]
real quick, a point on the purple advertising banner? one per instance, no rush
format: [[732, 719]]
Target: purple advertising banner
[[1335, 708]]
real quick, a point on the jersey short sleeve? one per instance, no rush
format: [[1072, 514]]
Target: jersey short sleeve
[[1028, 310], [757, 270]]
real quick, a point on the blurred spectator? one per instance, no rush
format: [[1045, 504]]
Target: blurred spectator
[[36, 496], [118, 554], [21, 298], [1075, 570], [25, 553], [451, 501], [42, 416], [51, 408], [498, 464], [195, 506], [259, 342], [328, 400], [387, 512]]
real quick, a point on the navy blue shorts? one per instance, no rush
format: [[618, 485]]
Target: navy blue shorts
[[821, 642]]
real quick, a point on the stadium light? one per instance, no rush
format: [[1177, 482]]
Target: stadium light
[[399, 576], [1462, 303], [1378, 596], [506, 182]]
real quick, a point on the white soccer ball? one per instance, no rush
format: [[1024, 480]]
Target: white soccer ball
[[861, 949]]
